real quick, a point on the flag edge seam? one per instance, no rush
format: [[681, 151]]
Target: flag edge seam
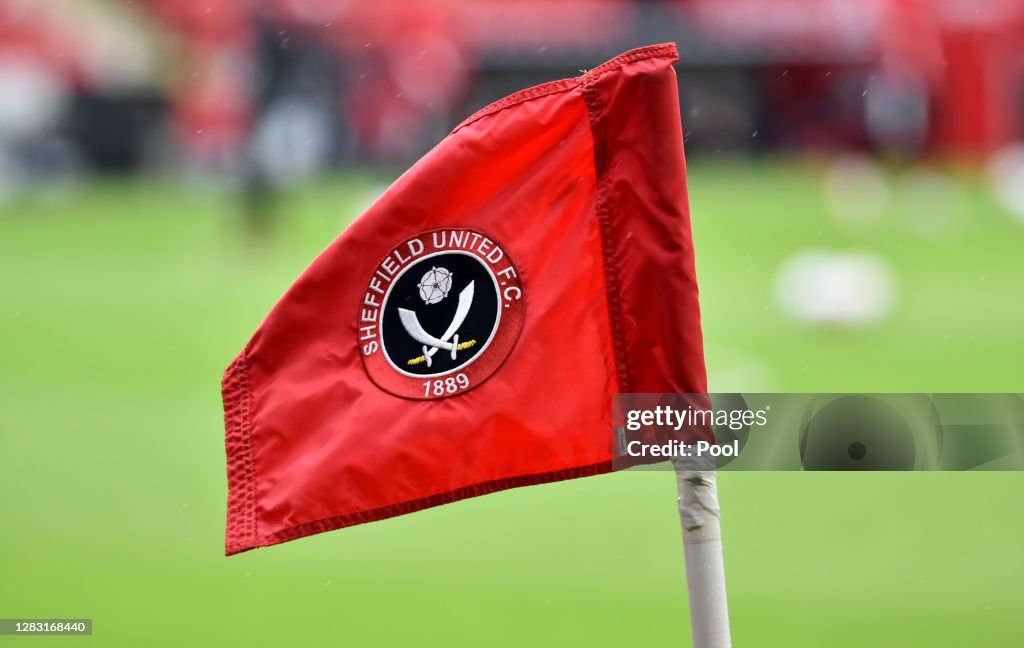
[[241, 511]]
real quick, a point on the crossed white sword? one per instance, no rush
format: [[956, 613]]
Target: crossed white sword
[[431, 343]]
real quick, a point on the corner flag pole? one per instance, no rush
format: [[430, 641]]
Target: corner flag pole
[[705, 570]]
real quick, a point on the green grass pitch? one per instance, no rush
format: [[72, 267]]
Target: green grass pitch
[[121, 304]]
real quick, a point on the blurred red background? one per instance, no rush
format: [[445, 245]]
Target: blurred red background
[[235, 85]]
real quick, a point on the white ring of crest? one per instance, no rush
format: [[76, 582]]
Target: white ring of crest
[[494, 329]]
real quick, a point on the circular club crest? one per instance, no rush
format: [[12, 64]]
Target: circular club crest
[[440, 314]]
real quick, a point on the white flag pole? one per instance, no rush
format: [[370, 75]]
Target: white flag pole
[[705, 569]]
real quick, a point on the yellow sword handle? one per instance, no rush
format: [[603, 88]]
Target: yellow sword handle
[[461, 347]]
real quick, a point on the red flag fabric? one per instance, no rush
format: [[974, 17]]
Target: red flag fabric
[[466, 334]]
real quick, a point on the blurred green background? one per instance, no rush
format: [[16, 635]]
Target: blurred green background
[[123, 303]]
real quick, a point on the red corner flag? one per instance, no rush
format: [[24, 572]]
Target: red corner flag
[[465, 335]]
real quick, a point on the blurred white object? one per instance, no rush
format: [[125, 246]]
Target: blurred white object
[[836, 288], [1006, 173], [33, 97], [856, 190], [292, 141]]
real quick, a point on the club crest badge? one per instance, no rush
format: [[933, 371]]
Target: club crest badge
[[440, 315]]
